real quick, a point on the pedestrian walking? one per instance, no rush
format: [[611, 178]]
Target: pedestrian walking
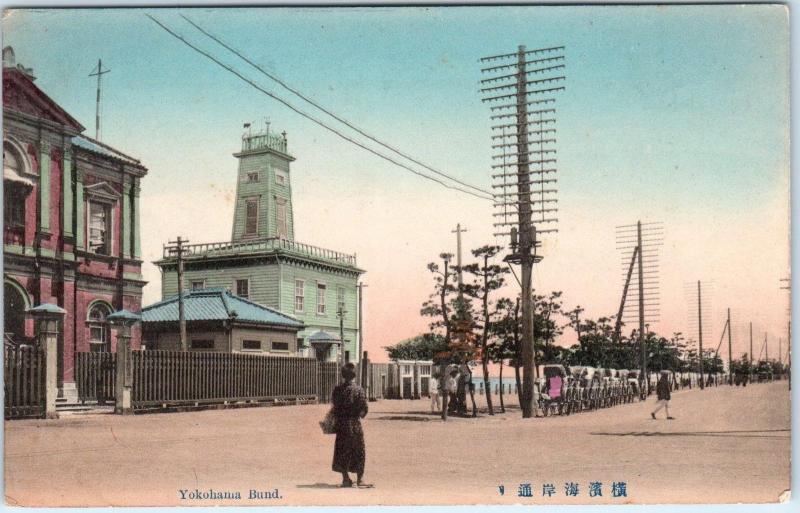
[[662, 391], [349, 407], [433, 387], [450, 389]]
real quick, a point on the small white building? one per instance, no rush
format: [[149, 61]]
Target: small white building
[[413, 378]]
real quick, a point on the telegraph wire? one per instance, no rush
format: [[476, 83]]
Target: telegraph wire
[[306, 115], [325, 110]]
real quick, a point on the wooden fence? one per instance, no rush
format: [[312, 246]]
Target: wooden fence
[[174, 378], [94, 376], [379, 379], [24, 381], [328, 378]]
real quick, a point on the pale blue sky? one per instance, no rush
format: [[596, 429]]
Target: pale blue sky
[[672, 113]]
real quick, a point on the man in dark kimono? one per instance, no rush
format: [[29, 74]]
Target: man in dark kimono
[[663, 393], [349, 407]]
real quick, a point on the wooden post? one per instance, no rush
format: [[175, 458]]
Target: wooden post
[[366, 383], [416, 393], [122, 390], [49, 340]]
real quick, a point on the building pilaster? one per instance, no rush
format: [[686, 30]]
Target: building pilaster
[[44, 187]]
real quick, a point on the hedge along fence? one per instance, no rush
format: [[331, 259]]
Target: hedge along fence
[[176, 378]]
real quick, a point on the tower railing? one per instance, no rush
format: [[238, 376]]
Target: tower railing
[[215, 249], [266, 140]]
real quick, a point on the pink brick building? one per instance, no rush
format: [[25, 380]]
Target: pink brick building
[[70, 223]]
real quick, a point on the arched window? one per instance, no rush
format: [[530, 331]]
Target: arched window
[[15, 301], [16, 186], [99, 336]]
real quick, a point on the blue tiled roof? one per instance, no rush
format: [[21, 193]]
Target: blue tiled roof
[[87, 143], [216, 304]]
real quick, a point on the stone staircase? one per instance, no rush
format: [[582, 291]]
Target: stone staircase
[[68, 403]]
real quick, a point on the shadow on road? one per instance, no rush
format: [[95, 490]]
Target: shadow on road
[[728, 434], [404, 417], [319, 486]]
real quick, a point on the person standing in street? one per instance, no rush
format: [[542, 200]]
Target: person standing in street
[[663, 393], [433, 387], [349, 407], [450, 390]]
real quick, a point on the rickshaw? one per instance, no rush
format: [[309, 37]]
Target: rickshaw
[[552, 399], [625, 387]]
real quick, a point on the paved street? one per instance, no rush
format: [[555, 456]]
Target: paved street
[[727, 444]]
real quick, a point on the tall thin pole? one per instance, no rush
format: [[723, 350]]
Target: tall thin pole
[[730, 351], [458, 231], [360, 329], [526, 244], [99, 74], [700, 333], [751, 345], [178, 249], [642, 344], [766, 348], [341, 313]]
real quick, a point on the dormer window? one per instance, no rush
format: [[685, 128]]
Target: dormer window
[[99, 228], [101, 199]]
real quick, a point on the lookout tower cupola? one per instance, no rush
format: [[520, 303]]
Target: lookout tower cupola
[[263, 187]]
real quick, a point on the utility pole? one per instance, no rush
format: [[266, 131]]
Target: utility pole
[[522, 181], [99, 74], [730, 353], [458, 231], [700, 333], [766, 348], [751, 345], [178, 250], [526, 244], [340, 311], [639, 244], [642, 343], [361, 287]]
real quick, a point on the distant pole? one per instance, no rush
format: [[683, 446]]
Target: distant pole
[[99, 74], [766, 348], [177, 249], [341, 313], [751, 345], [642, 336], [700, 333], [730, 357], [360, 329], [458, 231]]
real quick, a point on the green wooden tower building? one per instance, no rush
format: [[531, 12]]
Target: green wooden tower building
[[264, 263]]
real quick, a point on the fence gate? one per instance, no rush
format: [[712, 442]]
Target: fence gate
[[94, 376], [24, 380]]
